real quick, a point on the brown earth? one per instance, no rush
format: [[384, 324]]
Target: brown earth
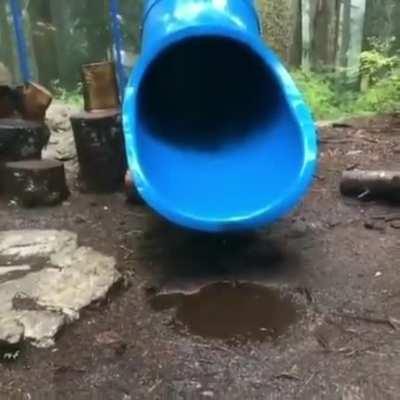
[[329, 272]]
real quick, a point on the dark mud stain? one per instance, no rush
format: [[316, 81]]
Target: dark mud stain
[[235, 312]]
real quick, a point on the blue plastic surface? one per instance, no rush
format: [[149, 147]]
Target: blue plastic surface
[[217, 136], [117, 38], [23, 54]]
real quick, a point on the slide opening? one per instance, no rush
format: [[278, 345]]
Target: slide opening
[[216, 138], [207, 93]]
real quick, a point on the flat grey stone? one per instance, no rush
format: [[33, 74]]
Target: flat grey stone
[[5, 269], [11, 332], [71, 278]]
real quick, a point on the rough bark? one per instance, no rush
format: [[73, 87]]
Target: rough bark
[[22, 140], [35, 101], [278, 24], [35, 182], [381, 21], [371, 184], [43, 40], [100, 147], [325, 16], [100, 86]]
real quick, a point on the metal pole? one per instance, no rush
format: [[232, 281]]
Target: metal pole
[[117, 44], [21, 43]]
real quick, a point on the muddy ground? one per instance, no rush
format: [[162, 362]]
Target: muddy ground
[[326, 326]]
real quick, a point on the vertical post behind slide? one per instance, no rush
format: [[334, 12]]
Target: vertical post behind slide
[[117, 44], [21, 43]]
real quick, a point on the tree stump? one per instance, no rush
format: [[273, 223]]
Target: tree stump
[[371, 184], [9, 102], [22, 140], [36, 99], [35, 182], [100, 147], [100, 88]]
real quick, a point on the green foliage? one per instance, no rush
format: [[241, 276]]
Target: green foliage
[[319, 93], [72, 97], [383, 96], [332, 95], [377, 63]]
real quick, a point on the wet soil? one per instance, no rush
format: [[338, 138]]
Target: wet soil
[[323, 282], [233, 311]]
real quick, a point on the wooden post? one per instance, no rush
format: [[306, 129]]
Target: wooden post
[[100, 147]]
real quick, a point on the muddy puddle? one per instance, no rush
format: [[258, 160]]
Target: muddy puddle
[[234, 312]]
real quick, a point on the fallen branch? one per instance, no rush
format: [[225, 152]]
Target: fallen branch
[[371, 184], [372, 320]]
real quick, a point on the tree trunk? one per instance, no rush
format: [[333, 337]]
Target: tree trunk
[[101, 153], [43, 39], [296, 48], [381, 21], [344, 33], [22, 140], [371, 184], [325, 17], [35, 183], [278, 25]]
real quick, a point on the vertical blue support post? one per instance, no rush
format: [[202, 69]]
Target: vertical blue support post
[[117, 44], [21, 43]]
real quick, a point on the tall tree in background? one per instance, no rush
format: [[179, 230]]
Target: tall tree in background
[[279, 24], [325, 17], [43, 34], [382, 21]]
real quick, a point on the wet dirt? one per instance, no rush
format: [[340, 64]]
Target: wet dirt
[[233, 311], [342, 276]]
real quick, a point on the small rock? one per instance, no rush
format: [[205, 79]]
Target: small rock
[[108, 337], [374, 226], [11, 332], [378, 274], [298, 229], [396, 150], [208, 393], [395, 224], [353, 152], [79, 219]]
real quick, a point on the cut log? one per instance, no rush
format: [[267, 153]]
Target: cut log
[[371, 184], [10, 102], [22, 140], [35, 101], [35, 182], [100, 89], [100, 147]]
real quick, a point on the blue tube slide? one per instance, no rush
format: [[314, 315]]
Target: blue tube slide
[[217, 135]]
